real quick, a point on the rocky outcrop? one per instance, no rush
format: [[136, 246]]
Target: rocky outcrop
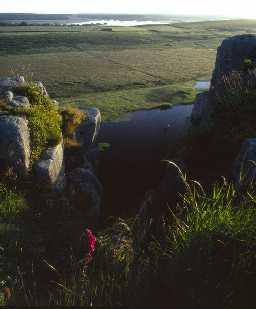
[[88, 130], [200, 110], [20, 101], [42, 88], [15, 143], [10, 83], [230, 58], [50, 170], [231, 55], [244, 169], [86, 191]]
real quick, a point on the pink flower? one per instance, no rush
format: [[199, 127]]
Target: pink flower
[[91, 241]]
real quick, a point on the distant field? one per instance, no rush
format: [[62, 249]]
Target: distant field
[[116, 70]]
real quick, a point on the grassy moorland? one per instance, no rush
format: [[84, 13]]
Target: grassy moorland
[[121, 69]]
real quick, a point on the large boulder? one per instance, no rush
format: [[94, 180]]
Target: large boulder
[[244, 169], [230, 58], [15, 143], [87, 131], [201, 109], [50, 170], [86, 191], [10, 83], [231, 55]]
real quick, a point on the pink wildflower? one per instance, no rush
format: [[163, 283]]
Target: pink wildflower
[[91, 241]]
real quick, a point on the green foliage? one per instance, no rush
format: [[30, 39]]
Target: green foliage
[[72, 117], [104, 146], [248, 65], [12, 205], [44, 120], [45, 130], [211, 249]]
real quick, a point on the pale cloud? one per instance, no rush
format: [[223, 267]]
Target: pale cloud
[[245, 8]]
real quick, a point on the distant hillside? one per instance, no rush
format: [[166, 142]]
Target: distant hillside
[[30, 16]]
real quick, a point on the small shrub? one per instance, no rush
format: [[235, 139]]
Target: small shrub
[[248, 65], [34, 93], [72, 117], [44, 120], [45, 128]]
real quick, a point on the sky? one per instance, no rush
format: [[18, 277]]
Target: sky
[[232, 8]]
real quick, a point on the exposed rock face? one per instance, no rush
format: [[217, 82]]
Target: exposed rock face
[[201, 108], [230, 58], [42, 87], [11, 83], [88, 130], [86, 191], [20, 101], [231, 55], [15, 143], [50, 170], [244, 170]]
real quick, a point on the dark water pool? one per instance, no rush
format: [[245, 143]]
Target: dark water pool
[[138, 142]]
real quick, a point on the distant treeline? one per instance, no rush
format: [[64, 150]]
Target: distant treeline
[[24, 23], [30, 16], [9, 17]]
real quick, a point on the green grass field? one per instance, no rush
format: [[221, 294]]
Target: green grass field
[[117, 70]]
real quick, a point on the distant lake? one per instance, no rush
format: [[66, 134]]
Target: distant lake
[[121, 23], [101, 19]]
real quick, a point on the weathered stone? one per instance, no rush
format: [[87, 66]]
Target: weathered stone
[[42, 88], [201, 108], [10, 83], [50, 170], [20, 101], [88, 130], [244, 169], [86, 191], [15, 143], [9, 96], [231, 55]]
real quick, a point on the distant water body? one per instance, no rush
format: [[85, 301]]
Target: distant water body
[[134, 20], [101, 19], [122, 23]]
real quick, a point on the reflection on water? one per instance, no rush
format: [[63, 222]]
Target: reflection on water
[[145, 134], [132, 165], [202, 85]]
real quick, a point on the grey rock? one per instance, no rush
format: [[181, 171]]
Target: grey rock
[[244, 168], [20, 101], [86, 191], [15, 143], [231, 55], [201, 109], [10, 83], [50, 170], [9, 96], [87, 131], [42, 88]]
